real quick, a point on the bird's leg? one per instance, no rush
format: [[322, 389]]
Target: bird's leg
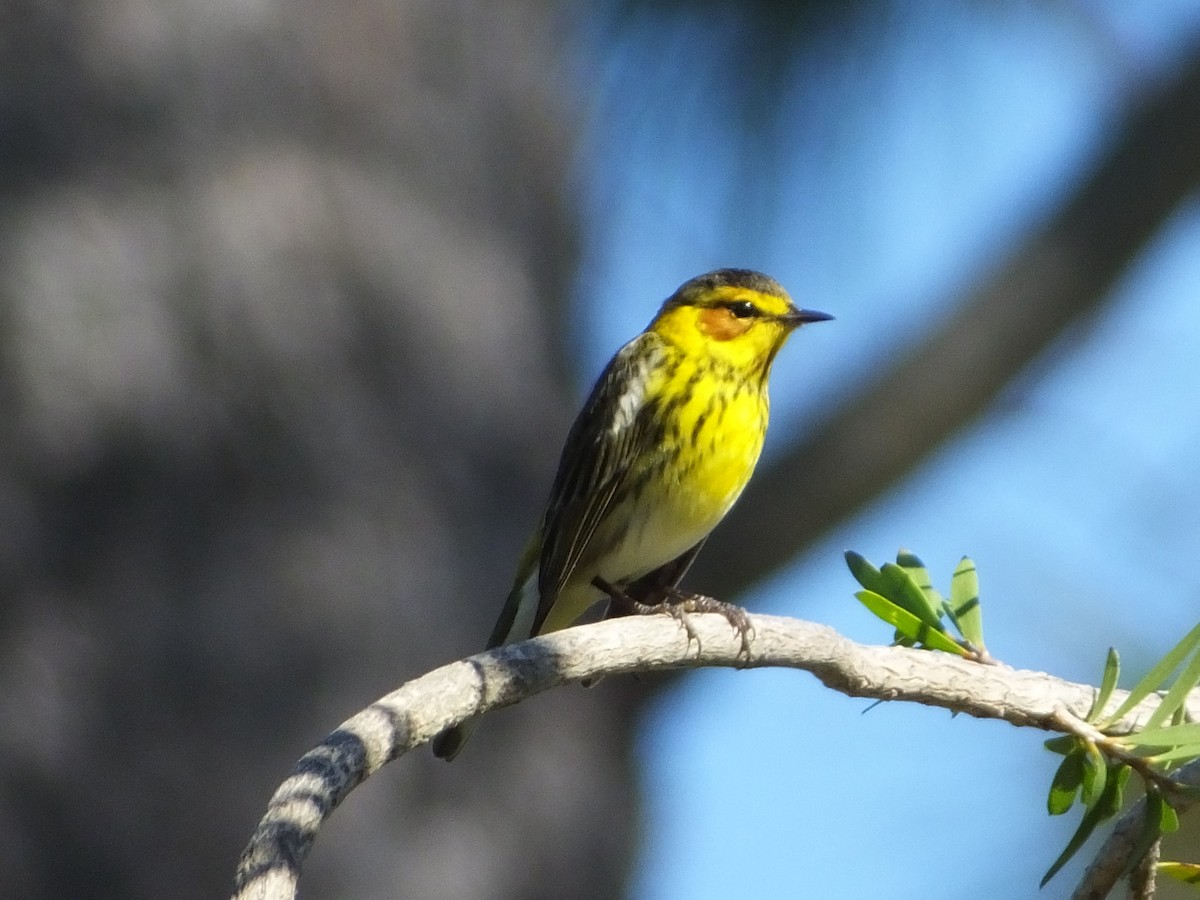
[[678, 604], [621, 604]]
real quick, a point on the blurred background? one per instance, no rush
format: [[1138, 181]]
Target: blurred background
[[297, 302]]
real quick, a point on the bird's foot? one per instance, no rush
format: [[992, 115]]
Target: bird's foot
[[679, 605]]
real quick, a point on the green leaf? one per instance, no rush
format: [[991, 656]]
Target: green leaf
[[1176, 756], [1168, 820], [1161, 819], [902, 590], [865, 573], [1178, 693], [964, 606], [908, 624], [1166, 736], [1188, 873], [911, 563], [1063, 744], [1066, 783], [1156, 676], [1095, 775], [1108, 683], [1109, 805], [1114, 792], [1152, 829], [903, 640]]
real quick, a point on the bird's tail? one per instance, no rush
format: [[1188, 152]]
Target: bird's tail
[[515, 624], [450, 742]]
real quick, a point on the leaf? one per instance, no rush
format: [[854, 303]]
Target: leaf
[[1161, 819], [1167, 743], [908, 624], [1176, 756], [1114, 792], [1168, 820], [1109, 805], [1177, 695], [1095, 775], [1063, 744], [1065, 784], [865, 573], [1152, 829], [964, 606], [1108, 683], [911, 563], [907, 594], [1188, 873], [1157, 675], [1166, 736]]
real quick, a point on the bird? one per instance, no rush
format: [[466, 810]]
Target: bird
[[660, 452]]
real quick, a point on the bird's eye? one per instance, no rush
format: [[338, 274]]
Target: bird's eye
[[743, 309]]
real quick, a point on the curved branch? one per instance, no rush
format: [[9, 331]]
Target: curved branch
[[414, 713]]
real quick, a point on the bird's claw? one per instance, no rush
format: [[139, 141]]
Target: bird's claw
[[679, 605], [737, 617]]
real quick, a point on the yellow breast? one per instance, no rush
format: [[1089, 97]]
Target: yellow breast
[[717, 436], [712, 433]]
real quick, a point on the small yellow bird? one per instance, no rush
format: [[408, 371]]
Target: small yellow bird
[[663, 447]]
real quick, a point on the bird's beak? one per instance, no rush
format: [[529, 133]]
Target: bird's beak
[[803, 317]]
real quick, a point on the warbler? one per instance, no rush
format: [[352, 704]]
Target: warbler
[[662, 449]]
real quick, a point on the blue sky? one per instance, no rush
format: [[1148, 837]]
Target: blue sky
[[900, 172]]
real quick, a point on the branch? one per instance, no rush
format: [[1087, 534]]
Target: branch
[[1113, 857], [414, 713]]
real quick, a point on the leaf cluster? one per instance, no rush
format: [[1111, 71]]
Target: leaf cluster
[[902, 595], [1095, 769], [1098, 758]]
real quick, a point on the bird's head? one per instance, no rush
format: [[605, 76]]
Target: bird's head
[[737, 315]]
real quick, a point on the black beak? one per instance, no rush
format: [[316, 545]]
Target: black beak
[[805, 316]]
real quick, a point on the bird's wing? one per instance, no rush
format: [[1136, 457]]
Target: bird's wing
[[608, 436]]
